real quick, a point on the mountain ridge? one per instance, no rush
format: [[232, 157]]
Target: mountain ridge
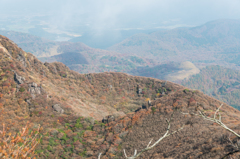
[[214, 39], [64, 103]]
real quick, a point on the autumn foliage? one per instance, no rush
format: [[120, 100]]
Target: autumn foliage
[[19, 146]]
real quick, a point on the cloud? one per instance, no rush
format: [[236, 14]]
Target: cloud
[[113, 14]]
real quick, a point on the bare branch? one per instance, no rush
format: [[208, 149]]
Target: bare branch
[[149, 143], [217, 111], [99, 156], [234, 145], [148, 146], [219, 122]]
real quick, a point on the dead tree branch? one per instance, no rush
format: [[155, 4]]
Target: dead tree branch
[[135, 155], [219, 122], [214, 119]]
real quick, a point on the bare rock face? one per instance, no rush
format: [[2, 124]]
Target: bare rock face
[[57, 108], [19, 79], [34, 89], [108, 119], [22, 59]]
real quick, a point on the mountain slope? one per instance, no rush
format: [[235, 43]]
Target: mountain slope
[[88, 59], [171, 71], [218, 82], [212, 42], [68, 58], [70, 107]]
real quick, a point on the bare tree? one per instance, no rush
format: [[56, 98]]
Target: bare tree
[[214, 119], [135, 155], [219, 122]]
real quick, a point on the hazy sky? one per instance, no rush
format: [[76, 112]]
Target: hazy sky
[[102, 15]]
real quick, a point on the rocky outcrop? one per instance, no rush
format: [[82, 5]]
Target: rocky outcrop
[[34, 89], [58, 108], [108, 119], [22, 59], [19, 79]]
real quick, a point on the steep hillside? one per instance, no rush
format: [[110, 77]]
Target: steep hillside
[[68, 58], [172, 71], [213, 42], [88, 60], [218, 82], [82, 115]]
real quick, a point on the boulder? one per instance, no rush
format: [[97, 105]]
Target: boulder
[[18, 79], [34, 89], [57, 108], [139, 90]]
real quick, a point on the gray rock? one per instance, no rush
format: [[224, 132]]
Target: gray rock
[[28, 102], [108, 119], [22, 59], [34, 84], [31, 90], [34, 89], [33, 96], [139, 90], [38, 90], [149, 103], [19, 79], [57, 108]]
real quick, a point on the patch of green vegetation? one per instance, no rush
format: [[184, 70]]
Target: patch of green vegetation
[[39, 151], [153, 109], [83, 154], [89, 127], [61, 130], [22, 89], [52, 142], [78, 125], [159, 90], [137, 60], [102, 124]]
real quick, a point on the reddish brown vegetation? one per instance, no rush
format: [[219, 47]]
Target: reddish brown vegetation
[[115, 95]]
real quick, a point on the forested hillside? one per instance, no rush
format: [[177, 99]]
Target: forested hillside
[[215, 42], [76, 55], [218, 82], [82, 115]]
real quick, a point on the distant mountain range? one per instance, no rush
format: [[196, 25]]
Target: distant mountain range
[[219, 82], [105, 39], [172, 71], [86, 59], [214, 42]]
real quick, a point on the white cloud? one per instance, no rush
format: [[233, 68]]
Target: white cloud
[[102, 15]]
